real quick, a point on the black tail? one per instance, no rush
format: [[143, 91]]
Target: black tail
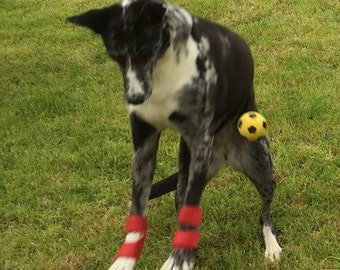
[[164, 186]]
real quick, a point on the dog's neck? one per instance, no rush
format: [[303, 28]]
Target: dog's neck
[[173, 71]]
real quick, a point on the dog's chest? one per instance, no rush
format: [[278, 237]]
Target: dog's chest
[[172, 74]]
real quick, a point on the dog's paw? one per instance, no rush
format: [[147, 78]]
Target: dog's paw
[[273, 249], [180, 259], [273, 252], [123, 263]]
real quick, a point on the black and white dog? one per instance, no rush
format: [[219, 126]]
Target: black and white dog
[[196, 77]]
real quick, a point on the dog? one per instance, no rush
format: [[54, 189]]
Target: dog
[[196, 77]]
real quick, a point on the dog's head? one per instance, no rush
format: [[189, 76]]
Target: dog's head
[[136, 33]]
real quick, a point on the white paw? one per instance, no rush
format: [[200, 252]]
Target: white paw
[[170, 265], [123, 263], [273, 253], [273, 249]]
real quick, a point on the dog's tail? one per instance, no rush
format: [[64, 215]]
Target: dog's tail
[[164, 186]]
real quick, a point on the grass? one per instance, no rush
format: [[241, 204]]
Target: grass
[[65, 145]]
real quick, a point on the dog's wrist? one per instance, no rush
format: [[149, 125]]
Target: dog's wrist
[[187, 239], [190, 215], [136, 223], [187, 234]]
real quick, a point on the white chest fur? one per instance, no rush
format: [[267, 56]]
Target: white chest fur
[[172, 72]]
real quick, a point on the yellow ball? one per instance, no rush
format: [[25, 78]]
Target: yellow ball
[[252, 125]]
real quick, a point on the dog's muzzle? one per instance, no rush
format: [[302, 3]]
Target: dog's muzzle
[[135, 99], [137, 91]]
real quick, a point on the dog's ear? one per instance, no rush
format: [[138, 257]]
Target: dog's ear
[[98, 20]]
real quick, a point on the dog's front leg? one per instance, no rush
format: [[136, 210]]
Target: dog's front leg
[[145, 140], [186, 237]]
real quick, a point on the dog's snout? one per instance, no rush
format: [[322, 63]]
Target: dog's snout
[[136, 99]]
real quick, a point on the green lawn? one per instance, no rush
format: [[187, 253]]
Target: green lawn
[[65, 145]]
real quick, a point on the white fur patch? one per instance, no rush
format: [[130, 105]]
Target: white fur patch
[[273, 249], [204, 47], [179, 14], [134, 85], [126, 2], [169, 265], [169, 77], [133, 237]]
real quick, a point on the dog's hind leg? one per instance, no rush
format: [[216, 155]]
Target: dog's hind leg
[[169, 183], [145, 140], [254, 159]]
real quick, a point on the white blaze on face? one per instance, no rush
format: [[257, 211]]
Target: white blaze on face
[[126, 2], [133, 84]]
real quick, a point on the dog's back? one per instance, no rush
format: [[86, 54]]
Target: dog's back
[[234, 65]]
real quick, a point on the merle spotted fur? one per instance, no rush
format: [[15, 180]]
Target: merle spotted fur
[[196, 77]]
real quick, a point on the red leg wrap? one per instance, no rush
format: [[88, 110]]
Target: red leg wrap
[[186, 239], [134, 250], [136, 224], [131, 250], [190, 215]]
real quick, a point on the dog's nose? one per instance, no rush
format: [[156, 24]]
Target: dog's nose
[[136, 99]]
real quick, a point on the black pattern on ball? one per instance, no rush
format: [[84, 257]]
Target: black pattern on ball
[[253, 115], [252, 130]]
